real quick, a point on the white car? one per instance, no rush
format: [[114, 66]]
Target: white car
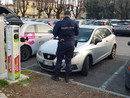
[[94, 44], [36, 33]]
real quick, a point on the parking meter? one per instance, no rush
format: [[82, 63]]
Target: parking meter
[[2, 52], [13, 52]]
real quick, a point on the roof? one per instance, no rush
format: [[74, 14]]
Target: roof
[[88, 26], [92, 26]]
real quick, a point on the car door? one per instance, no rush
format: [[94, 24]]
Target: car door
[[109, 40], [43, 33], [99, 49], [30, 32]]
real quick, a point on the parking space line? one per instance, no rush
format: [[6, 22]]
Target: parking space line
[[30, 66], [99, 89], [122, 55], [81, 84], [105, 84]]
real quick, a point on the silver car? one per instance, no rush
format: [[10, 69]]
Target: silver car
[[122, 27], [94, 44]]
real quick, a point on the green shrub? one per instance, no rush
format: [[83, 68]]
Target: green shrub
[[26, 81], [3, 82]]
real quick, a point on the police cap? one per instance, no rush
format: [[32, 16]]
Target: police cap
[[67, 12]]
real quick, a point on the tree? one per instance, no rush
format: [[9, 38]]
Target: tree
[[23, 6], [59, 7], [40, 5], [77, 7], [16, 6], [93, 9], [49, 4], [124, 8], [108, 8]]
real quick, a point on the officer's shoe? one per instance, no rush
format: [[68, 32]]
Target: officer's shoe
[[55, 78], [66, 78]]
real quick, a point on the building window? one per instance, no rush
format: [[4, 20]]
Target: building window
[[33, 4], [33, 11], [27, 11]]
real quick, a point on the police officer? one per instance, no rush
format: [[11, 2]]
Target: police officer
[[65, 29]]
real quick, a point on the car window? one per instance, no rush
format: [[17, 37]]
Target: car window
[[99, 23], [83, 22], [99, 33], [107, 32], [84, 34], [43, 28], [30, 29]]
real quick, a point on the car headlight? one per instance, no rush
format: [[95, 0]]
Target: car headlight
[[75, 53], [39, 53]]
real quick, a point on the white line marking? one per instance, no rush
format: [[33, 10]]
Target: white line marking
[[105, 84], [107, 91], [31, 66]]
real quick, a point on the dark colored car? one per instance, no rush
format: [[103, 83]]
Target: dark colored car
[[127, 74]]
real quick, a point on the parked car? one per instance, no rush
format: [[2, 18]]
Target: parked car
[[122, 27], [81, 22], [103, 23], [94, 44], [127, 74], [50, 22], [36, 33], [114, 22]]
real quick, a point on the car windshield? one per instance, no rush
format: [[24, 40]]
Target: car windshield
[[84, 34], [45, 21], [114, 22]]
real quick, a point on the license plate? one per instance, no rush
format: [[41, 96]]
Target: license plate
[[48, 63], [123, 27]]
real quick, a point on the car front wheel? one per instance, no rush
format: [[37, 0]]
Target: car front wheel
[[85, 67], [25, 53]]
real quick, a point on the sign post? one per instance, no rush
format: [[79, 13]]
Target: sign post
[[13, 52], [2, 52]]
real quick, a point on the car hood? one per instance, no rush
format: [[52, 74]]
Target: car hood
[[51, 46], [10, 16]]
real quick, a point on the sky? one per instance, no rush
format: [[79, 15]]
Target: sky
[[6, 1]]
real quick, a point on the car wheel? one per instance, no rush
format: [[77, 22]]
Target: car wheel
[[128, 88], [85, 67], [113, 53], [25, 53]]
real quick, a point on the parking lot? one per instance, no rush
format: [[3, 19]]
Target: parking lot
[[106, 75]]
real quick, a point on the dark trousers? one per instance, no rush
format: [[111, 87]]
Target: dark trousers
[[64, 51]]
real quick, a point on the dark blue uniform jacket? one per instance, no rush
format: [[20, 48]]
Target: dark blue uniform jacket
[[66, 29]]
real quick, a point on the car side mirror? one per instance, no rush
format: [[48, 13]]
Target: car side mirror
[[97, 40], [129, 43]]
